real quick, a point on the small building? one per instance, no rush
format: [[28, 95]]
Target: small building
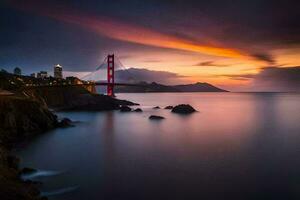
[[73, 80], [42, 74], [32, 75], [17, 71], [58, 71]]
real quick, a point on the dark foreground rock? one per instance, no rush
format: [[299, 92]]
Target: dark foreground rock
[[125, 109], [20, 118], [23, 117], [27, 170], [138, 110], [183, 109], [156, 117], [156, 107], [169, 107], [76, 99]]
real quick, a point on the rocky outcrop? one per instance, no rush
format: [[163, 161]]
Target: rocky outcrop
[[19, 118], [156, 117], [65, 122], [183, 109], [75, 98], [156, 107], [11, 186], [60, 97], [27, 170], [138, 110], [23, 117], [169, 107], [125, 109]]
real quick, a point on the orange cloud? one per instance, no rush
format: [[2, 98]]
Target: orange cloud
[[126, 32], [139, 35]]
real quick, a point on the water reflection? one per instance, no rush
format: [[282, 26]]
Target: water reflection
[[110, 151], [238, 146]]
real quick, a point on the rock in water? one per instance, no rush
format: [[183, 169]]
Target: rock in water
[[138, 110], [27, 170], [156, 107], [183, 109], [65, 122], [169, 107], [125, 109], [155, 117]]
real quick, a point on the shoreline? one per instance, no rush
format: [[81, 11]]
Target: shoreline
[[24, 115]]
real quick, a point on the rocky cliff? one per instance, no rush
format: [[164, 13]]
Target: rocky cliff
[[74, 98], [19, 118], [24, 113], [22, 117]]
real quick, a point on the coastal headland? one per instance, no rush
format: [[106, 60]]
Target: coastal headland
[[25, 113]]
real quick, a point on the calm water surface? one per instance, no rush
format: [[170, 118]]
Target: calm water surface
[[238, 146]]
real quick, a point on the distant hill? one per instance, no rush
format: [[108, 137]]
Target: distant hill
[[199, 87], [156, 87]]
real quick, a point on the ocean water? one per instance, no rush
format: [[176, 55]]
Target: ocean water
[[237, 146]]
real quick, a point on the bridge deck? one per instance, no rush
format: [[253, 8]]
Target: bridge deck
[[84, 84]]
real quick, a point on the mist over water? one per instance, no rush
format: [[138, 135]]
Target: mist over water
[[238, 146]]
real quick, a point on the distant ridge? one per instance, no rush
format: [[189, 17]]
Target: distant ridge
[[199, 87], [156, 87]]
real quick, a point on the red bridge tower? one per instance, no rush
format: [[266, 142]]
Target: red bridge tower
[[110, 75]]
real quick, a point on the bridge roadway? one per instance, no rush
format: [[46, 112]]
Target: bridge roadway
[[85, 84]]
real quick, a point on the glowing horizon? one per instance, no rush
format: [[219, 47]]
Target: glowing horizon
[[205, 55]]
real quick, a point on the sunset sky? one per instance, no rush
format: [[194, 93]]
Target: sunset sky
[[237, 45]]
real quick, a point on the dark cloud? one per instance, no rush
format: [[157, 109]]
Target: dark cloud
[[210, 64], [279, 79], [265, 57], [254, 26], [286, 79], [137, 74]]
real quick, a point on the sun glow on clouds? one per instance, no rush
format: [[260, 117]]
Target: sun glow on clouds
[[129, 32], [228, 61], [186, 64], [136, 34]]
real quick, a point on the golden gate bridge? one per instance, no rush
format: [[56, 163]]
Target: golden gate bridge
[[110, 64]]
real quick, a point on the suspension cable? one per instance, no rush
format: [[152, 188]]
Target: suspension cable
[[97, 69], [131, 76]]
